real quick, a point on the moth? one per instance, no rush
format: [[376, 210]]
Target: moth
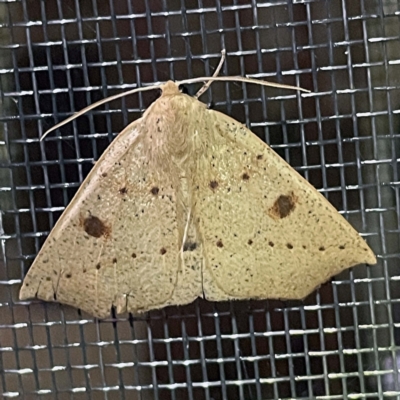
[[187, 202]]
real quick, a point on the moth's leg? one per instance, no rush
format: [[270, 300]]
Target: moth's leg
[[216, 73]]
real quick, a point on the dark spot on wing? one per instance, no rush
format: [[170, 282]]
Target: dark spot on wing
[[260, 157], [245, 177], [271, 244], [250, 242], [219, 243], [213, 184], [134, 255], [68, 276], [163, 251], [189, 246], [98, 266], [104, 174], [93, 226], [322, 248], [341, 247], [283, 206], [114, 260], [154, 191], [123, 190], [48, 279], [289, 246]]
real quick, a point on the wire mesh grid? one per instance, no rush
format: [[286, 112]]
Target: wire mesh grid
[[58, 56]]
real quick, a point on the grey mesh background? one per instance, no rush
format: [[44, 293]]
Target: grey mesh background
[[58, 56]]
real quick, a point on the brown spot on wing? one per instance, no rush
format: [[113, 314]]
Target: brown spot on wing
[[154, 191], [123, 190], [93, 226], [213, 184], [283, 206]]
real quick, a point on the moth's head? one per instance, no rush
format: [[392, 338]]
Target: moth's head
[[170, 89]]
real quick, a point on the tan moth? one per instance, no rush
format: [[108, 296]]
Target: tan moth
[[187, 202]]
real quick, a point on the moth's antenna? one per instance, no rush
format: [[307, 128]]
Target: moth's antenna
[[242, 79], [99, 103], [209, 80], [216, 73]]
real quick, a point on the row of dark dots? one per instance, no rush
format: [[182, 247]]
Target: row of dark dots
[[272, 244], [98, 265], [219, 244]]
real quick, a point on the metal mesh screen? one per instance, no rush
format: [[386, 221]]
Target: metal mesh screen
[[58, 56]]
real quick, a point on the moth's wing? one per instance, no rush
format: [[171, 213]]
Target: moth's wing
[[118, 242], [267, 233]]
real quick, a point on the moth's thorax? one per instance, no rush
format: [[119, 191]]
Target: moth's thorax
[[173, 122]]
